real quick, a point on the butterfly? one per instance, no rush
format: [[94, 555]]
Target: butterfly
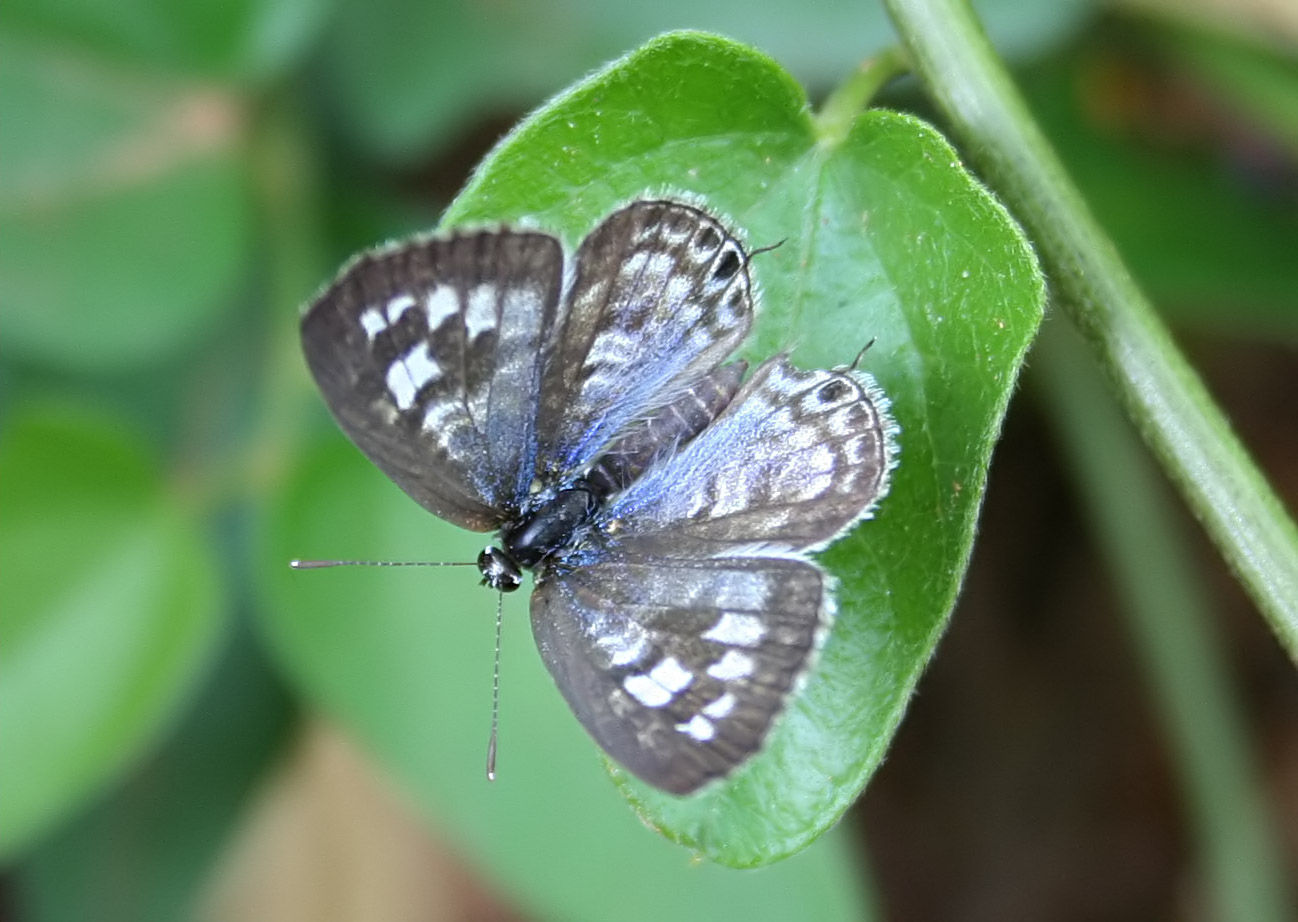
[[585, 410]]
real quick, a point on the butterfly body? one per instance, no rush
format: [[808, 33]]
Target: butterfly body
[[586, 412]]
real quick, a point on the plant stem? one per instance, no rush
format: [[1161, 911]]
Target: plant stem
[[1154, 383], [840, 109]]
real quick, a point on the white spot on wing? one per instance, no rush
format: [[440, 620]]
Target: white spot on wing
[[623, 645], [410, 373], [400, 386], [374, 322], [422, 366], [732, 495], [699, 728], [737, 630], [822, 458], [646, 691], [820, 469], [671, 675], [481, 313], [721, 707], [398, 306], [734, 665], [440, 303]]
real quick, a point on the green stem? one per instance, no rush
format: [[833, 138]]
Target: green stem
[[1156, 386], [1136, 527], [842, 106]]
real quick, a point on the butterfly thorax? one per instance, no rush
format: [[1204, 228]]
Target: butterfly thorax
[[542, 531]]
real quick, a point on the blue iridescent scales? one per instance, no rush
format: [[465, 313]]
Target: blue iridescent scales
[[666, 504]]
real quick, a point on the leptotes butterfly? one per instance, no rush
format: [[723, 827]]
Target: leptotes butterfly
[[585, 411]]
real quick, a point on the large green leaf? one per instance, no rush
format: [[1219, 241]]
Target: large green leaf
[[240, 39], [110, 611], [886, 238], [147, 849], [124, 215]]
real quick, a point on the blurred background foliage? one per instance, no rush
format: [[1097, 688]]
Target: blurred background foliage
[[176, 179]]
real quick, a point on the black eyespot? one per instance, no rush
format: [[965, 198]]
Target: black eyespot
[[727, 266], [832, 391], [709, 239]]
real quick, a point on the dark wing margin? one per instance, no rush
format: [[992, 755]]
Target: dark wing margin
[[429, 355], [678, 668], [660, 297]]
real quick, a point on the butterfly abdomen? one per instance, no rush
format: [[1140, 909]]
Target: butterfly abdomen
[[662, 432]]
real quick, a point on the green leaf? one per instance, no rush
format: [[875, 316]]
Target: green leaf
[[124, 219], [243, 39], [111, 610], [168, 824], [885, 238]]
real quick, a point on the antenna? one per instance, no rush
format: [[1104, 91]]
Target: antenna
[[860, 355], [321, 564], [500, 618], [495, 691], [766, 249]]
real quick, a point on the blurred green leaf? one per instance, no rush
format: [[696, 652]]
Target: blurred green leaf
[[111, 609], [886, 238], [124, 216], [166, 827], [1209, 245], [244, 39], [1166, 605], [406, 74], [1261, 81]]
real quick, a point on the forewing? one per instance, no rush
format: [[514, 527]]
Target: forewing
[[661, 296], [678, 668], [795, 459], [429, 355]]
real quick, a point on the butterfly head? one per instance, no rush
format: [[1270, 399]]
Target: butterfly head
[[499, 570]]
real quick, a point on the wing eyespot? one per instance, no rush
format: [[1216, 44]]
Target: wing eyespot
[[709, 239], [833, 391], [727, 266]]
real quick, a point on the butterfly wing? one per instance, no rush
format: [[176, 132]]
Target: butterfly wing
[[796, 458], [678, 667], [679, 630], [660, 297], [429, 354]]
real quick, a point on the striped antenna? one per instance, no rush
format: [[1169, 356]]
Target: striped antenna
[[321, 564], [500, 603], [495, 692]]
